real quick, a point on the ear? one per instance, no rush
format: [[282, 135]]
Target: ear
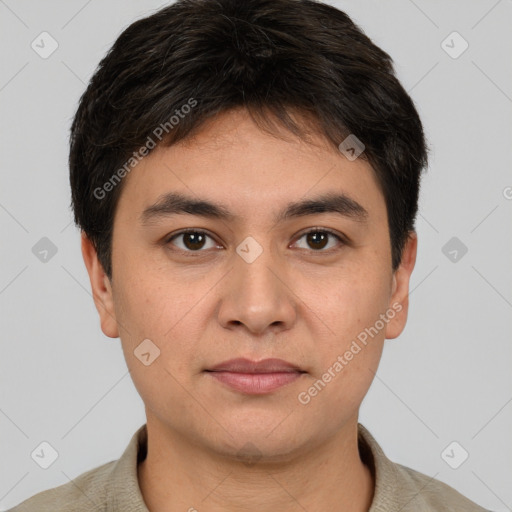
[[400, 288], [101, 289]]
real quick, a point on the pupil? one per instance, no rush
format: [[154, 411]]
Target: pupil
[[314, 239], [197, 240]]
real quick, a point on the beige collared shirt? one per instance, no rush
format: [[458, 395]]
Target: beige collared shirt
[[114, 487]]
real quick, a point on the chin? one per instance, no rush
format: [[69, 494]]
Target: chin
[[272, 440]]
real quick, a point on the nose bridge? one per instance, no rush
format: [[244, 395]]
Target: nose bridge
[[256, 279], [257, 294]]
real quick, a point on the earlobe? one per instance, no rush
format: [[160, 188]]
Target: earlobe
[[399, 301], [101, 289]]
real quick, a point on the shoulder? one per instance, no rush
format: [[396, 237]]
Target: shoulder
[[111, 486], [423, 493], [86, 492], [398, 487]]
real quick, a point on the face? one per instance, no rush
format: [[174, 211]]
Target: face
[[313, 287]]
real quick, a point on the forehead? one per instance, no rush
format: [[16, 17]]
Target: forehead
[[233, 163]]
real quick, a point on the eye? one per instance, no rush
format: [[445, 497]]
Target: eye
[[193, 240], [318, 239]]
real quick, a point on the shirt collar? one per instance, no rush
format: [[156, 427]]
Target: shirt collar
[[124, 492], [384, 471]]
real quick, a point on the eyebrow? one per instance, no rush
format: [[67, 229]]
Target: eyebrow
[[174, 203]]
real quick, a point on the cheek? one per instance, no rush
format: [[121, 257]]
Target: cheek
[[148, 304], [343, 380], [147, 309], [160, 309], [353, 343], [354, 305]]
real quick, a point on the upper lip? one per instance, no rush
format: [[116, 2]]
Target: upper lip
[[242, 365]]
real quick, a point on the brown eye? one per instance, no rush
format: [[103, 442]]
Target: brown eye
[[318, 239], [191, 240]]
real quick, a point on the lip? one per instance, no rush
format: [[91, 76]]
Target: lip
[[243, 365], [255, 377]]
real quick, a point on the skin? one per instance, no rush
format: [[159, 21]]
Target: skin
[[293, 302]]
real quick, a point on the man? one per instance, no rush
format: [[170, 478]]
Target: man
[[245, 175]]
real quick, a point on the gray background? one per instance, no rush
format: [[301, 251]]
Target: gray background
[[447, 378]]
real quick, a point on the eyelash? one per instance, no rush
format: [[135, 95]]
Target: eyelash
[[339, 237]]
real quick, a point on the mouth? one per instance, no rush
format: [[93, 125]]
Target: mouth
[[255, 377]]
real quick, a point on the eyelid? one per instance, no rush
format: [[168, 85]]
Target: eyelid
[[320, 229], [342, 239], [184, 231]]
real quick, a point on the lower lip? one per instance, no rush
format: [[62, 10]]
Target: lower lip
[[255, 383]]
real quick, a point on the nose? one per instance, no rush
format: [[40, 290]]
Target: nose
[[257, 296]]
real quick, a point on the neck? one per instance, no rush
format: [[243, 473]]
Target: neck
[[181, 476]]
